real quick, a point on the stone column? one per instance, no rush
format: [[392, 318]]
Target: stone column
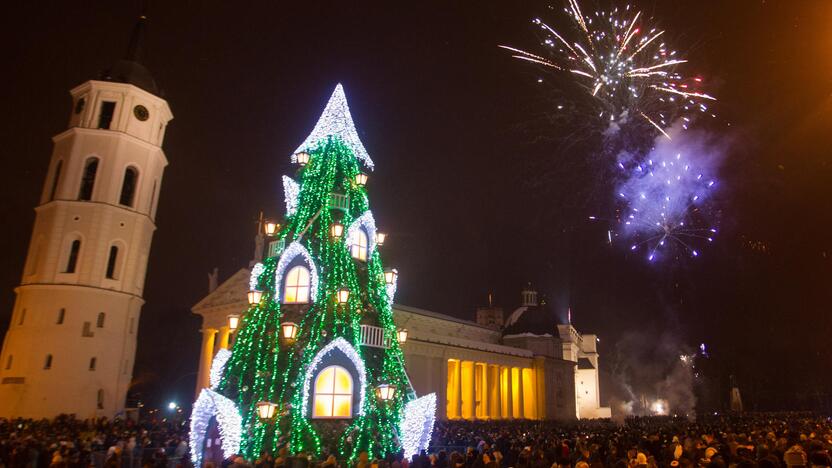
[[459, 389], [225, 334], [520, 395], [205, 358], [509, 408], [441, 365]]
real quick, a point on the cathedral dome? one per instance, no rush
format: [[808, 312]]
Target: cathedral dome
[[537, 320]]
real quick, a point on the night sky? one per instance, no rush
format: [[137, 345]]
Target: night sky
[[451, 123]]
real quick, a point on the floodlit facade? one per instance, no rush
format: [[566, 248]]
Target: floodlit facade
[[71, 343], [526, 367]]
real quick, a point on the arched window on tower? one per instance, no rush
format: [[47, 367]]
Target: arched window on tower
[[9, 362], [61, 316], [92, 363], [72, 260], [296, 290], [128, 186], [55, 179], [88, 179], [47, 363], [99, 398], [112, 263], [100, 322], [359, 245], [333, 393]]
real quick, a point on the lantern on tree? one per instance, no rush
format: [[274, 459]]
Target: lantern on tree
[[254, 296], [289, 332], [266, 410], [302, 158], [361, 179], [390, 275], [271, 228], [233, 322], [385, 392], [336, 230], [343, 295], [402, 335]]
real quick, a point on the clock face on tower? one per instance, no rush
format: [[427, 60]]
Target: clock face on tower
[[141, 112]]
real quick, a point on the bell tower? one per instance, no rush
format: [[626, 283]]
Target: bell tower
[[71, 342]]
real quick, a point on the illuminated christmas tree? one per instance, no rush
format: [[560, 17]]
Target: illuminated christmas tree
[[317, 361]]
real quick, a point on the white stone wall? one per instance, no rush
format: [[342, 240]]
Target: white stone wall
[[69, 385]]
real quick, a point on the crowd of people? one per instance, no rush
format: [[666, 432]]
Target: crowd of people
[[67, 442], [756, 440]]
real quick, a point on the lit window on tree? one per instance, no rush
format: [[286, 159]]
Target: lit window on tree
[[333, 393], [297, 286], [359, 246]]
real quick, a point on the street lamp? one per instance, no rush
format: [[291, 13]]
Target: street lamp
[[266, 410], [302, 158], [343, 295], [254, 296], [233, 322], [380, 236], [402, 335]]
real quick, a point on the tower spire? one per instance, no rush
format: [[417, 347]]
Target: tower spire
[[134, 47]]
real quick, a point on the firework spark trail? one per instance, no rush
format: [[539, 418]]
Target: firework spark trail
[[664, 201], [624, 70]]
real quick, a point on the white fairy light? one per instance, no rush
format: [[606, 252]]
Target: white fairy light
[[336, 121], [291, 190], [256, 271], [366, 221], [417, 424], [286, 258], [207, 405], [343, 346], [218, 366]]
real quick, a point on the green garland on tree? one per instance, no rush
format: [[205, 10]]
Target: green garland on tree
[[265, 368]]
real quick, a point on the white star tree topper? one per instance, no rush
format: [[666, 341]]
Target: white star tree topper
[[336, 121]]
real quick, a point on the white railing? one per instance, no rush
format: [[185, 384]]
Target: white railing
[[375, 337]]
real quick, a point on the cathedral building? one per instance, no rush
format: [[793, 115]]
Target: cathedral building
[[526, 366], [71, 342]]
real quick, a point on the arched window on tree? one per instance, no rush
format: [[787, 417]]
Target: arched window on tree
[[297, 285], [128, 186], [333, 393], [55, 179], [359, 245], [72, 259], [88, 179]]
